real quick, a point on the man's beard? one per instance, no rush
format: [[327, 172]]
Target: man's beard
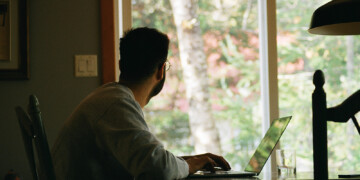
[[157, 89]]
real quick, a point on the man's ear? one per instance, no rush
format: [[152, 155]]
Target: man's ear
[[160, 72]]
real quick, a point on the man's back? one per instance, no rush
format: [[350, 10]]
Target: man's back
[[107, 138], [76, 152]]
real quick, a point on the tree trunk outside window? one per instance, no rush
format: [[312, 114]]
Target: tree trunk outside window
[[194, 67]]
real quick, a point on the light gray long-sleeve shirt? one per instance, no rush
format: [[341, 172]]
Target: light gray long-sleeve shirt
[[106, 138]]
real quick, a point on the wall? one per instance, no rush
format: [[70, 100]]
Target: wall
[[59, 29]]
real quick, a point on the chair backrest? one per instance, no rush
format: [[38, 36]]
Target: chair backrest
[[34, 127], [321, 114], [27, 132]]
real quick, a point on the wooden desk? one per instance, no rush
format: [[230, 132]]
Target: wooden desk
[[274, 176]]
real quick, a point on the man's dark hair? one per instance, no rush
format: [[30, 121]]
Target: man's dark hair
[[142, 51]]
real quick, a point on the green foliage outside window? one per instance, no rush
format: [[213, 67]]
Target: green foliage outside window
[[231, 45]]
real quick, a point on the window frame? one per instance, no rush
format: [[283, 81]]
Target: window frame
[[113, 21], [108, 53], [268, 69]]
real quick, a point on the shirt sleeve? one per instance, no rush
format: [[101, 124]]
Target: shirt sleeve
[[123, 133]]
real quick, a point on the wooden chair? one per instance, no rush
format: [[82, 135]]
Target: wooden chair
[[321, 114], [33, 132], [27, 135]]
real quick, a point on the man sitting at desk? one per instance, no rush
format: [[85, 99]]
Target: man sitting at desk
[[106, 137]]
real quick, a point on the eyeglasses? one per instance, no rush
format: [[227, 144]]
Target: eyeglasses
[[167, 65]]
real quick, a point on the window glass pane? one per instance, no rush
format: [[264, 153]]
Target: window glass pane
[[230, 64], [299, 55]]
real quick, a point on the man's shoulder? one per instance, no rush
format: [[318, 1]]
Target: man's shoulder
[[111, 92], [106, 102], [105, 97]]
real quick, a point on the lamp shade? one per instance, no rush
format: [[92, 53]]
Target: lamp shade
[[337, 17]]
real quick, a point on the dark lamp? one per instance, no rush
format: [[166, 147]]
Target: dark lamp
[[337, 17]]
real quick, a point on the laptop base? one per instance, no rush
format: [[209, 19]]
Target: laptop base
[[222, 174]]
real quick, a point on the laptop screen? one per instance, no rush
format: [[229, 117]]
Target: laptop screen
[[267, 144]]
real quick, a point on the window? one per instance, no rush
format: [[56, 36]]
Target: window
[[230, 59]]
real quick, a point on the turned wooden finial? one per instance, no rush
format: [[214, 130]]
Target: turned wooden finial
[[319, 79], [33, 104]]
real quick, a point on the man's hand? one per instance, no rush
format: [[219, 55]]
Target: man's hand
[[206, 161]]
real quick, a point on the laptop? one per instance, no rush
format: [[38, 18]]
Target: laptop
[[259, 158]]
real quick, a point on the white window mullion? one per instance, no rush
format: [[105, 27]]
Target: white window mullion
[[124, 21], [268, 69]]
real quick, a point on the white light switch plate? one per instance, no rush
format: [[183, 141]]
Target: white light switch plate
[[86, 66]]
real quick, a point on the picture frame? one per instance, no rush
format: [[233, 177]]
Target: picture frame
[[14, 40]]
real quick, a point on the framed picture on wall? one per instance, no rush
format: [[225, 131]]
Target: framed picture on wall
[[14, 40]]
